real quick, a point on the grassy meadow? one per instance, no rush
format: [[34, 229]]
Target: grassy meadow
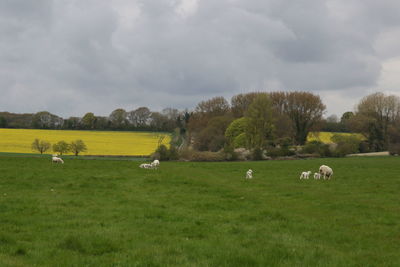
[[112, 213], [98, 142]]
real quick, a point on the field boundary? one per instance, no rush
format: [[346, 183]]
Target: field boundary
[[84, 157]]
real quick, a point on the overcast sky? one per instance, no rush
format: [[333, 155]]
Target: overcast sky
[[70, 57]]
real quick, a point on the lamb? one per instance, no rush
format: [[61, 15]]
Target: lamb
[[145, 166], [317, 175], [249, 174], [305, 175], [326, 171], [57, 160], [155, 163]]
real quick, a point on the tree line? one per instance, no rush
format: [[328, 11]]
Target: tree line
[[139, 119], [61, 147], [255, 120], [268, 120]]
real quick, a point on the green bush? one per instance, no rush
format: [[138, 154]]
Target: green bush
[[236, 128], [257, 154], [344, 149], [394, 149], [284, 142], [193, 155], [364, 147], [275, 152], [316, 147], [346, 144], [162, 153], [173, 153], [230, 153], [240, 141]]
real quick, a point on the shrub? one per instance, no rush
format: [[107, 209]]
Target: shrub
[[346, 144], [230, 153], [394, 149], [275, 152], [257, 154], [284, 142], [316, 147], [312, 147], [193, 155], [364, 147], [162, 153], [173, 153]]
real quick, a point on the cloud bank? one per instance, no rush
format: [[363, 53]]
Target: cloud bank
[[74, 56]]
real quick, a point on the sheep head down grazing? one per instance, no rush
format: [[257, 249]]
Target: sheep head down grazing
[[325, 172]]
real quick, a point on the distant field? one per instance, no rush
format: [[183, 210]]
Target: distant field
[[325, 137], [112, 213], [98, 142]]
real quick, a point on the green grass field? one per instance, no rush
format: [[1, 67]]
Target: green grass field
[[112, 213]]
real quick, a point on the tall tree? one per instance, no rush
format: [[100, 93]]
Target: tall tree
[[241, 102], [72, 123], [204, 111], [89, 121], [139, 117], [46, 120], [260, 123], [118, 118], [3, 122], [374, 116], [305, 110], [217, 106], [212, 137]]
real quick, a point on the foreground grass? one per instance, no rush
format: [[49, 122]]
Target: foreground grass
[[111, 213]]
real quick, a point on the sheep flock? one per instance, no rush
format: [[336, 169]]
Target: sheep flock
[[325, 172]]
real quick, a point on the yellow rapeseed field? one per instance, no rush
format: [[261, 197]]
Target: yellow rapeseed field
[[325, 137], [97, 142]]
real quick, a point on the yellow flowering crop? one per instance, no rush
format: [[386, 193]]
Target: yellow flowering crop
[[325, 137], [97, 142]]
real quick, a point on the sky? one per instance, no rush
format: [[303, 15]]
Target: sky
[[70, 57]]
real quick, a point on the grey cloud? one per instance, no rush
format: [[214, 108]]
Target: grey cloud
[[73, 57]]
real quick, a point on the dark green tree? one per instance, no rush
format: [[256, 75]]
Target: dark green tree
[[61, 147], [77, 147]]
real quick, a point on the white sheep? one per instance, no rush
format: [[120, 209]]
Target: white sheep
[[305, 175], [145, 166], [57, 160], [326, 171], [155, 163], [317, 175], [249, 174]]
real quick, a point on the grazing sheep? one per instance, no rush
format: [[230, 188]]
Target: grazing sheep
[[305, 175], [57, 160], [155, 163], [317, 175], [326, 171], [249, 174]]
